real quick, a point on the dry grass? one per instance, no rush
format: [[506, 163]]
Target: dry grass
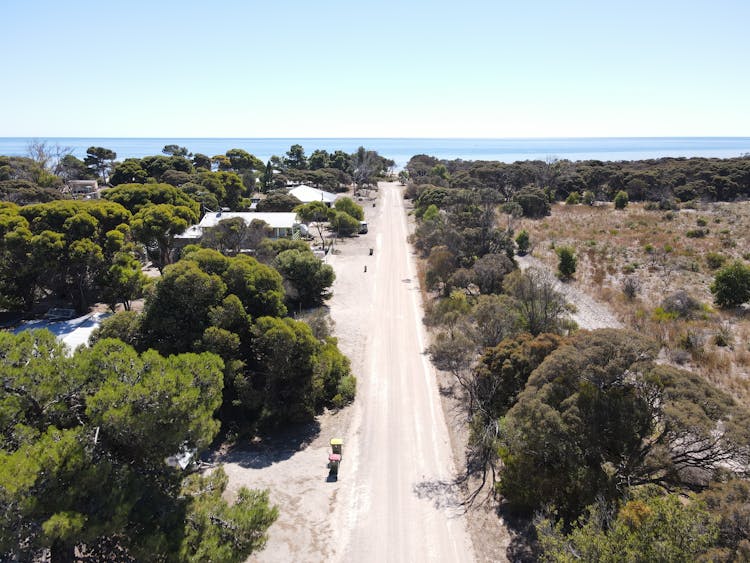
[[662, 252]]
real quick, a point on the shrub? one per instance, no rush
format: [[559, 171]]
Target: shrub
[[731, 285], [701, 222], [573, 199], [696, 233], [522, 240], [660, 315], [568, 261], [681, 304], [533, 201], [621, 200], [667, 204], [714, 260], [630, 287], [346, 390], [588, 198]]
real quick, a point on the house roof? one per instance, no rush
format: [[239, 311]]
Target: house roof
[[307, 194], [276, 220]]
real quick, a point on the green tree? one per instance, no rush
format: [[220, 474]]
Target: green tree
[[73, 168], [202, 161], [731, 286], [621, 200], [503, 370], [128, 171], [315, 212], [84, 439], [177, 312], [258, 286], [295, 158], [125, 326], [308, 279], [341, 161], [278, 201], [657, 529], [333, 382], [343, 223], [347, 205], [247, 519], [542, 308], [566, 266], [440, 265], [241, 160], [285, 350], [729, 502], [231, 235], [176, 150], [533, 201], [100, 161], [318, 159], [599, 417], [266, 180], [490, 271], [156, 227], [233, 189], [522, 241], [123, 281], [134, 197]]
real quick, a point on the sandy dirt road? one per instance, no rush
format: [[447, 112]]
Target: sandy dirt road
[[393, 500], [401, 505]]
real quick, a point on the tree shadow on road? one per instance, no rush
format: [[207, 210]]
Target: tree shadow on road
[[442, 493], [268, 448]]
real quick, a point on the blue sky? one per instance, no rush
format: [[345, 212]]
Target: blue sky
[[470, 68]]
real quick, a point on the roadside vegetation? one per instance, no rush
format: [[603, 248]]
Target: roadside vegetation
[[612, 444], [205, 352]]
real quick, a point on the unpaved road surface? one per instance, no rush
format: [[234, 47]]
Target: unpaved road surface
[[401, 506], [394, 500]]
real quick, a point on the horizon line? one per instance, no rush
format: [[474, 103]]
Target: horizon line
[[390, 138]]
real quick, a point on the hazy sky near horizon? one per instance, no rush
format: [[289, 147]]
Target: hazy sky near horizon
[[295, 68]]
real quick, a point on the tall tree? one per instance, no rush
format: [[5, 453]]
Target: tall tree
[[295, 158], [100, 161], [308, 279], [176, 150], [82, 455], [598, 417], [156, 226]]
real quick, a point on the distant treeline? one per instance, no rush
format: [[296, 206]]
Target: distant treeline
[[225, 180], [663, 179]]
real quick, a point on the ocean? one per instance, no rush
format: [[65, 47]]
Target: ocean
[[401, 150]]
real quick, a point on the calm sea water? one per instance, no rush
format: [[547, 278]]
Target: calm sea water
[[401, 150]]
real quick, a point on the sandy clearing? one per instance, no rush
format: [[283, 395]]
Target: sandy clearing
[[590, 314]]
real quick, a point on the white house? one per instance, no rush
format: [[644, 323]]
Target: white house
[[308, 194], [86, 189], [282, 224]]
